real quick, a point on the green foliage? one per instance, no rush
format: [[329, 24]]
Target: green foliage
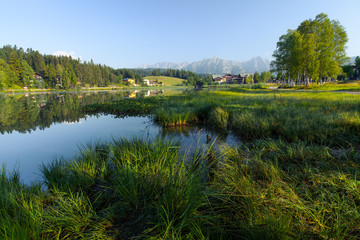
[[15, 65], [357, 63], [348, 71], [9, 77], [256, 77], [314, 51], [249, 79], [27, 74]]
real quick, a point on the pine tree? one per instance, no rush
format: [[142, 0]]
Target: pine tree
[[15, 66], [27, 73]]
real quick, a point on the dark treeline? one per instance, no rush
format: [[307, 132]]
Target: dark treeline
[[18, 68]]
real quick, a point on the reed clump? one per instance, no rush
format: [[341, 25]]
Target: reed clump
[[218, 119]]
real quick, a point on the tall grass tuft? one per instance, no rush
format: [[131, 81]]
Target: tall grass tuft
[[172, 117], [159, 192], [71, 216], [218, 118], [19, 208]]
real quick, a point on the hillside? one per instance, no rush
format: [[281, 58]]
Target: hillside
[[167, 81]]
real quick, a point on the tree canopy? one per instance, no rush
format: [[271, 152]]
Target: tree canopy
[[314, 51]]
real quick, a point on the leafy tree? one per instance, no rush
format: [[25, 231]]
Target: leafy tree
[[249, 79], [256, 77], [315, 50], [138, 78], [357, 64], [347, 72], [265, 76]]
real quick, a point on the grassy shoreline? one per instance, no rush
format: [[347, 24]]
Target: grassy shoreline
[[264, 189]]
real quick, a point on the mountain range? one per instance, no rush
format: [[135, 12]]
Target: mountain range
[[217, 65]]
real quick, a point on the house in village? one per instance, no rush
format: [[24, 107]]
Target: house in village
[[147, 82], [38, 80], [38, 76], [229, 79], [129, 81]]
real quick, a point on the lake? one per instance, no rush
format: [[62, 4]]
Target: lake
[[37, 128]]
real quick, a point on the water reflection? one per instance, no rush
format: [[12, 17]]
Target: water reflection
[[192, 137], [28, 112]]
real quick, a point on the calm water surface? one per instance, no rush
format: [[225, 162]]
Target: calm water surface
[[38, 128]]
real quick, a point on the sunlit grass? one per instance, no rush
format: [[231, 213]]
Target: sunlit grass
[[263, 189], [317, 117]]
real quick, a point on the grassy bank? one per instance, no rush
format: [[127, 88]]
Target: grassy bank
[[264, 189], [325, 118]]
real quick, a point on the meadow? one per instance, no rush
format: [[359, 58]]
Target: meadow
[[167, 81], [294, 175]]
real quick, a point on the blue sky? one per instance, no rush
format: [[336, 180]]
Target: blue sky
[[134, 32]]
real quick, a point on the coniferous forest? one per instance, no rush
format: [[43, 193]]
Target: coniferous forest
[[28, 68]]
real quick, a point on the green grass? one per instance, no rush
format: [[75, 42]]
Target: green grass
[[167, 81], [353, 85], [316, 117], [263, 189]]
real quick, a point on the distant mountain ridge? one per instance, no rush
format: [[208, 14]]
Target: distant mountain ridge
[[217, 65]]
